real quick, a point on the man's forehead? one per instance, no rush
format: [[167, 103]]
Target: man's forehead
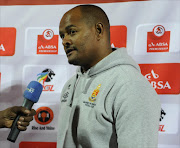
[[72, 16]]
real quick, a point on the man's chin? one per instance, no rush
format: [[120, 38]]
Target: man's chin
[[73, 62]]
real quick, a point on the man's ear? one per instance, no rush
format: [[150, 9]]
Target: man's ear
[[99, 30]]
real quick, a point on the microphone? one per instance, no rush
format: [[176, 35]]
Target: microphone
[[31, 96]]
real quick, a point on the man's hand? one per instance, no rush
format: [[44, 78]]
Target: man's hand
[[8, 115]]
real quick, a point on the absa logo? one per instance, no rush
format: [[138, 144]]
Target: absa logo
[[118, 36], [157, 84], [163, 77], [7, 41]]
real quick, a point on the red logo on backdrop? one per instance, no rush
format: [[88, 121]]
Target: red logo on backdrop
[[158, 40], [47, 43], [44, 115], [7, 41], [118, 36], [37, 145], [163, 77], [161, 126]]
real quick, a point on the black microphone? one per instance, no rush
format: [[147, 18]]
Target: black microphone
[[31, 96]]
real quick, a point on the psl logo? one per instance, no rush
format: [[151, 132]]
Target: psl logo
[[48, 34], [159, 84], [46, 76], [161, 127], [47, 43], [159, 30], [158, 40]]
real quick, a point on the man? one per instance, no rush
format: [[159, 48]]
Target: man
[[108, 103], [8, 115]]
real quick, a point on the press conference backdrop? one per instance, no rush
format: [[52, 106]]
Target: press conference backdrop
[[30, 49]]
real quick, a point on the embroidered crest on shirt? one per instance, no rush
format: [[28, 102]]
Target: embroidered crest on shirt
[[94, 94], [66, 94]]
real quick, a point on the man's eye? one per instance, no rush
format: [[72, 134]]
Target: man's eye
[[72, 32], [62, 36]]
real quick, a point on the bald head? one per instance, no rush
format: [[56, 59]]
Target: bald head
[[92, 15]]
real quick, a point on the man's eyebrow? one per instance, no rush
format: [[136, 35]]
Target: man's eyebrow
[[67, 28]]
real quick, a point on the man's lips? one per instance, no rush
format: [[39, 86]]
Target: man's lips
[[68, 51]]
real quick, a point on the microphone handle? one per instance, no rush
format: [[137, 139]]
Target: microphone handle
[[14, 129]]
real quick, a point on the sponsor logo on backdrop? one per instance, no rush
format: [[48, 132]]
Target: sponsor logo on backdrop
[[44, 116], [47, 43], [25, 144], [163, 77], [157, 84], [118, 36], [158, 40], [45, 77], [7, 41], [169, 119], [161, 127]]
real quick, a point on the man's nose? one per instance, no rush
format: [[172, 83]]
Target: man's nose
[[66, 41]]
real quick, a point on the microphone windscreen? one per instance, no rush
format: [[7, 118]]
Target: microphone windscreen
[[33, 91]]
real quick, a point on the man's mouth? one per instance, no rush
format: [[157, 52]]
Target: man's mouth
[[69, 51]]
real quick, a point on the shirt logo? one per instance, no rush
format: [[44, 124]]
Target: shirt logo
[[94, 94]]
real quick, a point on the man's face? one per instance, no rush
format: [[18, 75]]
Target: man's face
[[78, 39]]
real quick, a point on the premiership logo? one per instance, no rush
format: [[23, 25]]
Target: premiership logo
[[47, 43], [158, 30], [48, 34], [158, 40], [94, 94]]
